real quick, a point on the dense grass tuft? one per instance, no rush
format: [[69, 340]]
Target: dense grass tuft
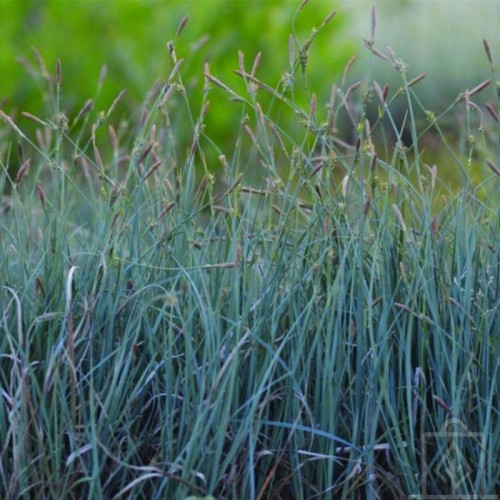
[[312, 318]]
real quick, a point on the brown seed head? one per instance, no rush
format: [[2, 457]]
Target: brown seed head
[[33, 118], [351, 89], [435, 226], [487, 49], [366, 207], [233, 186], [328, 18], [442, 404], [392, 55], [352, 60], [492, 111], [241, 61], [182, 25], [415, 80], [58, 73], [41, 194], [114, 138], [175, 70], [493, 167], [479, 87], [171, 51], [379, 53], [312, 107], [85, 109], [256, 63], [385, 91], [41, 64], [373, 23], [302, 5], [239, 253], [7, 119], [378, 91], [153, 169], [39, 285], [357, 145], [117, 100], [102, 76], [146, 151], [22, 171]]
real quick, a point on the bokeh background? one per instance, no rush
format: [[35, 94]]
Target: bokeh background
[[442, 38]]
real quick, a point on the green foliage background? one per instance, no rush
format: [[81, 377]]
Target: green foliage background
[[130, 37]]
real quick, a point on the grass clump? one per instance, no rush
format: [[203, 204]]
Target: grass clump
[[315, 318]]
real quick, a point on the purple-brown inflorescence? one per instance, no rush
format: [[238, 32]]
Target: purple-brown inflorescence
[[182, 25], [492, 111], [33, 118], [373, 23], [58, 74], [479, 88], [415, 80], [7, 119], [493, 166], [487, 49], [22, 171]]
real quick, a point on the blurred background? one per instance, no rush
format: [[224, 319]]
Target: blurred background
[[442, 38]]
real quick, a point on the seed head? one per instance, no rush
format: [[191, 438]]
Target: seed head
[[41, 64], [256, 63], [402, 270], [33, 118], [373, 23], [352, 60], [328, 18], [41, 194], [85, 109], [378, 91], [392, 55], [399, 216], [7, 119], [22, 171], [182, 25], [487, 49], [39, 285], [113, 138], [385, 91], [102, 76], [492, 112], [117, 100], [58, 74], [146, 151], [435, 226], [302, 5], [479, 87], [415, 80], [241, 61], [366, 207], [156, 165], [442, 404], [493, 167], [357, 144]]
